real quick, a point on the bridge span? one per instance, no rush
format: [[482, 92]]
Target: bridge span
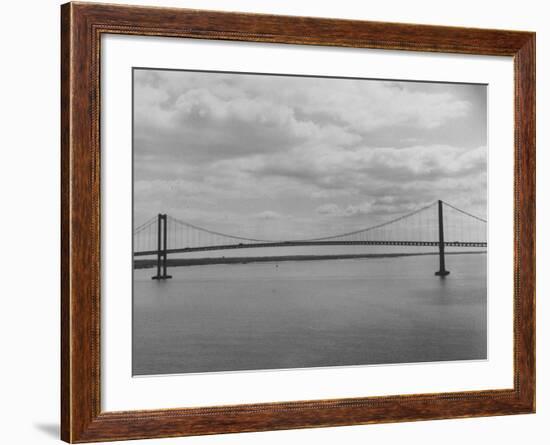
[[422, 227], [313, 243]]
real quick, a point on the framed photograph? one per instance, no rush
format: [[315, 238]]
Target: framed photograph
[[276, 222]]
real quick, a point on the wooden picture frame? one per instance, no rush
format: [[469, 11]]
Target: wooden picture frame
[[82, 25]]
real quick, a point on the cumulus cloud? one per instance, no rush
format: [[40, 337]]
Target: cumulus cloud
[[218, 149], [328, 209], [331, 209]]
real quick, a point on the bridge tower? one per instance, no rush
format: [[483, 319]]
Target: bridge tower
[[441, 272], [162, 248]]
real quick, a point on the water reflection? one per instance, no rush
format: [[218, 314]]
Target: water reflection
[[309, 314]]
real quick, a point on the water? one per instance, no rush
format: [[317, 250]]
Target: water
[[309, 314]]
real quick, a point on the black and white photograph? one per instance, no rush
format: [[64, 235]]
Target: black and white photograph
[[252, 223], [284, 221]]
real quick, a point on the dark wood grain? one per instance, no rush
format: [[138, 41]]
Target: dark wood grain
[[65, 227], [81, 28]]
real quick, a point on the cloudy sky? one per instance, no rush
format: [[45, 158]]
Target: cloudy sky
[[283, 157]]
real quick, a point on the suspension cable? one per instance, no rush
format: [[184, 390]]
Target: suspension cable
[[464, 212]]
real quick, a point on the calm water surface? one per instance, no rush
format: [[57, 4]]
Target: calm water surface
[[309, 314]]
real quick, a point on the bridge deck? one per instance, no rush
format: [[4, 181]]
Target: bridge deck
[[314, 243]]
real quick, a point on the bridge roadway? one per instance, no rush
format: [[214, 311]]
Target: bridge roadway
[[313, 243]]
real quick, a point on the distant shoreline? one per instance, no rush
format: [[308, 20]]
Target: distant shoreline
[[181, 262]]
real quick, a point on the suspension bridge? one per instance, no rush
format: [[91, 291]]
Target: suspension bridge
[[438, 224]]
